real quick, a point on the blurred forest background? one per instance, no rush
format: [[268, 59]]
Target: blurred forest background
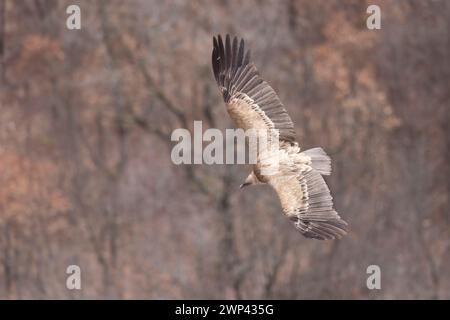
[[86, 176]]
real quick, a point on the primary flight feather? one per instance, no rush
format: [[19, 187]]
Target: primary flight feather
[[253, 104]]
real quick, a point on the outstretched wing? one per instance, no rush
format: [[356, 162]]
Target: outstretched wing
[[306, 200], [251, 101]]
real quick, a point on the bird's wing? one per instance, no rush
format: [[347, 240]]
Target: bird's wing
[[251, 101], [306, 200]]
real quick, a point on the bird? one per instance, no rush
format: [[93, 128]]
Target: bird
[[253, 104]]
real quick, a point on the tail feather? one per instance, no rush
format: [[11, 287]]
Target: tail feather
[[320, 161]]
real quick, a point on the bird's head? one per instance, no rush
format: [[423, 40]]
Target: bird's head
[[251, 179]]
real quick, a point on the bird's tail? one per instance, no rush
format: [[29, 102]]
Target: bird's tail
[[320, 161]]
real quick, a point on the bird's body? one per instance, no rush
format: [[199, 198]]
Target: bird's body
[[296, 176]]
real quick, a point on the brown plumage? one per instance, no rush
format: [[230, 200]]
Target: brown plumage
[[253, 104]]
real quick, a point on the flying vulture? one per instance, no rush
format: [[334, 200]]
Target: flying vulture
[[253, 104]]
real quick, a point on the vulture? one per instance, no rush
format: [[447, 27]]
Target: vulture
[[253, 104]]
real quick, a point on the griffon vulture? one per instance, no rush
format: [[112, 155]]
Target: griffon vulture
[[253, 104]]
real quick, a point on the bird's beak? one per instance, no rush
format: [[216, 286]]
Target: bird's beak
[[243, 185]]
